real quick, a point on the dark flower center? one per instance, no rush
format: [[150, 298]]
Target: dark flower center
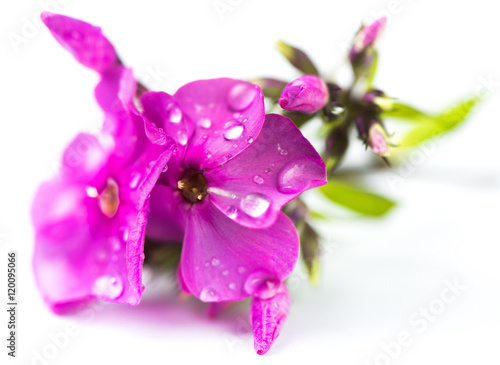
[[193, 186]]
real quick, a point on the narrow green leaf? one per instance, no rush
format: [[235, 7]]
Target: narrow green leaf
[[439, 124], [298, 58], [358, 200], [406, 112]]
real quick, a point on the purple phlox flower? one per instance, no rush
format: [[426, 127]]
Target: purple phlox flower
[[90, 220], [307, 94], [377, 140], [365, 38], [222, 194]]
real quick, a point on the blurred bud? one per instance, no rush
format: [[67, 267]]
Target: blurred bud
[[379, 100], [366, 37], [297, 211], [298, 58], [271, 88], [310, 250], [377, 140], [307, 94], [336, 146], [363, 55]]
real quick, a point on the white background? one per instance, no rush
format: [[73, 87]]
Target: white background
[[377, 273]]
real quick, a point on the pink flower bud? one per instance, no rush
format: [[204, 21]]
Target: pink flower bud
[[366, 37], [307, 94], [377, 140]]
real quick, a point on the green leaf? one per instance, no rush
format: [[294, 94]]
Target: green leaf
[[439, 124], [358, 200], [298, 58], [406, 112]]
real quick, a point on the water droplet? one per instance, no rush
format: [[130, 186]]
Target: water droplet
[[283, 152], [233, 196], [258, 179], [173, 113], [231, 212], [250, 139], [207, 264], [155, 135], [267, 170], [215, 262], [232, 286], [182, 137], [255, 204], [241, 269], [108, 286], [165, 168], [241, 96], [205, 122], [232, 130], [225, 272], [209, 295], [208, 154], [298, 175], [123, 231], [262, 284], [235, 145]]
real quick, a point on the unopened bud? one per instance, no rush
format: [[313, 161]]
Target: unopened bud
[[307, 94]]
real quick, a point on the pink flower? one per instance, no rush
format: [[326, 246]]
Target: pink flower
[[90, 221], [377, 140], [225, 186], [307, 94]]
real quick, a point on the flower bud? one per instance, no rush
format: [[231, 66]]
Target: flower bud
[[377, 140], [365, 38], [307, 94], [379, 100]]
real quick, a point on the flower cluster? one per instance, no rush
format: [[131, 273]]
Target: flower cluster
[[205, 182], [205, 168]]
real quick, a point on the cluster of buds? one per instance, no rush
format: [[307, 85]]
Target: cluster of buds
[[341, 109]]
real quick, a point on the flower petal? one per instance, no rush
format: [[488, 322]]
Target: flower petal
[[267, 317], [225, 114], [167, 218], [253, 187], [83, 40], [219, 255]]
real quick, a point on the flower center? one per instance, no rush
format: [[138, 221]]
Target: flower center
[[193, 186], [109, 199]]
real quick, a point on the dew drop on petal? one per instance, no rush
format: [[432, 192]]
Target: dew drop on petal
[[116, 244], [258, 179], [232, 130], [231, 212], [255, 204], [241, 269], [205, 122], [174, 113], [267, 170], [215, 261], [225, 272], [134, 180], [165, 168], [250, 139], [123, 231], [182, 137], [241, 96], [108, 286], [283, 152], [232, 286], [209, 295], [208, 154], [154, 134], [297, 176]]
